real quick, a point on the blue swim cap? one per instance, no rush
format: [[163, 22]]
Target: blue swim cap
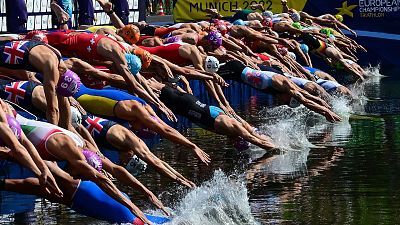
[[304, 48], [134, 63], [239, 22]]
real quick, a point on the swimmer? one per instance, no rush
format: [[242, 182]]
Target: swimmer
[[111, 133], [209, 117], [15, 146], [56, 144], [266, 80], [101, 48], [121, 105], [42, 58], [80, 196]]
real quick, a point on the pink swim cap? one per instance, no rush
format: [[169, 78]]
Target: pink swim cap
[[14, 126], [93, 159], [68, 84]]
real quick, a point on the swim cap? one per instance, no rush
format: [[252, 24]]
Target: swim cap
[[68, 84], [145, 132], [134, 63], [339, 17], [238, 22], [76, 116], [267, 22], [136, 166], [295, 17], [240, 144], [297, 25], [308, 21], [14, 126], [145, 57], [93, 159], [325, 31], [214, 38], [282, 50], [211, 64], [172, 39], [268, 14], [292, 55], [37, 35], [222, 28], [130, 33], [304, 48]]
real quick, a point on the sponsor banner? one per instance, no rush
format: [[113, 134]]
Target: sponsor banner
[[368, 15], [188, 10]]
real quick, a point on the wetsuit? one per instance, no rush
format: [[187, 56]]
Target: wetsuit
[[19, 92], [91, 201], [94, 29], [97, 127], [190, 107], [170, 52], [314, 43], [242, 14], [40, 132], [102, 102], [235, 70], [328, 85], [15, 54], [156, 31], [82, 45]]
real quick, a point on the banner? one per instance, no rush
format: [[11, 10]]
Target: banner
[[39, 14], [188, 10]]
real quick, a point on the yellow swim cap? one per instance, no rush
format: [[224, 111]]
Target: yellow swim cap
[[339, 17]]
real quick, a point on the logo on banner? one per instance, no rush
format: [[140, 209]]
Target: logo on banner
[[378, 8], [187, 10]]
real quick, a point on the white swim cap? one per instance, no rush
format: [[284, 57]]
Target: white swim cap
[[211, 64], [292, 55], [76, 116]]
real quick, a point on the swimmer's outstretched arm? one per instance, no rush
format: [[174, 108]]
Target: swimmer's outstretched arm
[[107, 8], [25, 153], [81, 67], [125, 177], [62, 16]]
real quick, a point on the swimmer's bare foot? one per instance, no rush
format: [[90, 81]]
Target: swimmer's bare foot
[[62, 16], [105, 4]]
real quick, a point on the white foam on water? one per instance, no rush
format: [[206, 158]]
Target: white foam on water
[[222, 200], [359, 90]]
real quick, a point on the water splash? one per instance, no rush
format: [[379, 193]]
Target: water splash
[[367, 90], [222, 200]]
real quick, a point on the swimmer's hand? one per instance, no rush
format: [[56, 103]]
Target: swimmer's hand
[[204, 157], [219, 80], [287, 43], [49, 184], [170, 115], [185, 182], [331, 116], [158, 203]]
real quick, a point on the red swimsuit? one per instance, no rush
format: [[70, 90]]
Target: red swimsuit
[[81, 45], [169, 52]]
